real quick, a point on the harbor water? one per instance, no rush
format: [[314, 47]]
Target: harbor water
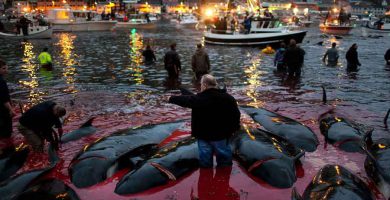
[[102, 75]]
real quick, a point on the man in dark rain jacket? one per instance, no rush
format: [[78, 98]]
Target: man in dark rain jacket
[[215, 117], [37, 122], [172, 62]]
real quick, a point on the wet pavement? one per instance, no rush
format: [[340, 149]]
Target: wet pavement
[[101, 74]]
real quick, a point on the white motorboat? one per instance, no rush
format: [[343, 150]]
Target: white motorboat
[[185, 19], [78, 20], [264, 31], [383, 24], [134, 21], [35, 32]]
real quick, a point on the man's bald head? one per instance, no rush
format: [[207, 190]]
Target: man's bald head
[[208, 81]]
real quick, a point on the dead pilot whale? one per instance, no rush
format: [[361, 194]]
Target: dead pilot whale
[[86, 129], [334, 182], [48, 189], [100, 160], [294, 132], [169, 163], [13, 187], [267, 157], [341, 132], [11, 160], [377, 163]]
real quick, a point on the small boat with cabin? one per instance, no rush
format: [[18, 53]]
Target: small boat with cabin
[[132, 21], [264, 31], [186, 19], [383, 24], [336, 23], [34, 32], [66, 19]]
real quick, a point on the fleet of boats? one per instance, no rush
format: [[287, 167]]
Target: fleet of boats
[[264, 30]]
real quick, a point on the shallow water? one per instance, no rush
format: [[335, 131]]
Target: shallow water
[[101, 74]]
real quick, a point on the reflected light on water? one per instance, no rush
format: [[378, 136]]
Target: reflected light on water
[[30, 67], [135, 52], [253, 80], [68, 56]]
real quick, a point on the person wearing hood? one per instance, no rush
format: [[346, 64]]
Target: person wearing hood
[[200, 62], [352, 58], [215, 117]]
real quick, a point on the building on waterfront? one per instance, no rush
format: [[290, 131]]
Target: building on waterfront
[[360, 10]]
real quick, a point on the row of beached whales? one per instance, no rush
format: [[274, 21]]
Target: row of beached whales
[[269, 153]]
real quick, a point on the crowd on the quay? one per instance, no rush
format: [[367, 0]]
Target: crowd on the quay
[[215, 113]]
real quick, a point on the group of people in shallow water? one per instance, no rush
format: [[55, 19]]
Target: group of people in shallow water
[[200, 61], [291, 59]]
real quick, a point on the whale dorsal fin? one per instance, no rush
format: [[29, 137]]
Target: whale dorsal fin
[[88, 123]]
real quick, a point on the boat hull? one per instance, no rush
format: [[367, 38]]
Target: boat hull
[[84, 26], [336, 30], [253, 39], [44, 34], [123, 25]]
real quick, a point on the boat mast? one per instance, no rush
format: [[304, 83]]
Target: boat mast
[[252, 4]]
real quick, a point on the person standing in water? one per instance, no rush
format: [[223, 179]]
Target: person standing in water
[[352, 59], [6, 110], [332, 54]]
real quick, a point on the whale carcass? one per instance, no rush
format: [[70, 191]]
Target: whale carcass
[[86, 129], [15, 186], [168, 163], [99, 160], [341, 132], [334, 182], [11, 160], [294, 132], [268, 158], [49, 189], [377, 163]]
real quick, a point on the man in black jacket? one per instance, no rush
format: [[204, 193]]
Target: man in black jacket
[[215, 117], [37, 122], [294, 58], [172, 62]]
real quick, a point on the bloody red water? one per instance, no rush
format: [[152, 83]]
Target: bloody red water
[[226, 183]]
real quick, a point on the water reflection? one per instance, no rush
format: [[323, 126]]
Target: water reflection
[[68, 56], [253, 80], [216, 186], [30, 67], [136, 46]]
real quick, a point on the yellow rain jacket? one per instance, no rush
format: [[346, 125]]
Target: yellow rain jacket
[[44, 58]]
